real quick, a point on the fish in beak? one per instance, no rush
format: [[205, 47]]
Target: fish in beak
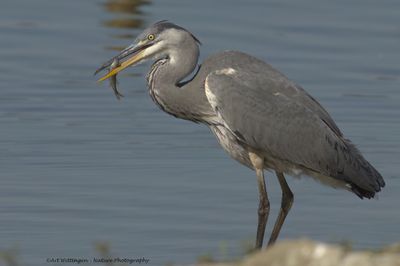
[[113, 79], [128, 57]]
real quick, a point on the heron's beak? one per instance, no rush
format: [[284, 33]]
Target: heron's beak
[[131, 55]]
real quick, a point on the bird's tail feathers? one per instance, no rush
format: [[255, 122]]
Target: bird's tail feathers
[[363, 178]]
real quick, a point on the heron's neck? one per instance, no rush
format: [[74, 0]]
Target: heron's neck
[[165, 85], [179, 64]]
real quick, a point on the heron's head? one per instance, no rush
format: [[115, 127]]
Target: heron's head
[[161, 40]]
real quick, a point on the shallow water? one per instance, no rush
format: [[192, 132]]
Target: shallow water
[[79, 167]]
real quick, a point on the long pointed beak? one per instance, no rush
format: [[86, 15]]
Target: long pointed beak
[[130, 55]]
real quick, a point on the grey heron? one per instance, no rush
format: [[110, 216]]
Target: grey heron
[[260, 117]]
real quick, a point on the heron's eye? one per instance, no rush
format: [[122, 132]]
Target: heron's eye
[[150, 37]]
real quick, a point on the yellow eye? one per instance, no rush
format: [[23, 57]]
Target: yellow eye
[[150, 37]]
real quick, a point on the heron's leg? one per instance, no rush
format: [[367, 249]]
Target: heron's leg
[[263, 208], [287, 201]]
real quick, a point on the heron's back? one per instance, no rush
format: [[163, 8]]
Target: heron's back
[[263, 110]]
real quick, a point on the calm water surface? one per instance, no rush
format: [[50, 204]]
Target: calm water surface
[[79, 167]]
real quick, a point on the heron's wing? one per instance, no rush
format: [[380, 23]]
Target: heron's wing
[[267, 113], [268, 78]]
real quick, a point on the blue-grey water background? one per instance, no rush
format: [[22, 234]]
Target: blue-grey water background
[[78, 167]]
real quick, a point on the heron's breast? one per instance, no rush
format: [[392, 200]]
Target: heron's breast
[[231, 145]]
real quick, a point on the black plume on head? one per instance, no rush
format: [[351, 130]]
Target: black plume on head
[[165, 24]]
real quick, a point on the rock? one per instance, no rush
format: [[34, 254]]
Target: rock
[[311, 253]]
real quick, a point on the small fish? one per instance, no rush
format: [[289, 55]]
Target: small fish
[[113, 79]]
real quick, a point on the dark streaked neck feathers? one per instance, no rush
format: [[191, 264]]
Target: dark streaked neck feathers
[[187, 101]]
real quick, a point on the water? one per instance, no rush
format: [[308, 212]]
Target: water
[[78, 167]]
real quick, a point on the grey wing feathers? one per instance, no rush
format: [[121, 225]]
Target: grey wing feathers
[[267, 112]]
